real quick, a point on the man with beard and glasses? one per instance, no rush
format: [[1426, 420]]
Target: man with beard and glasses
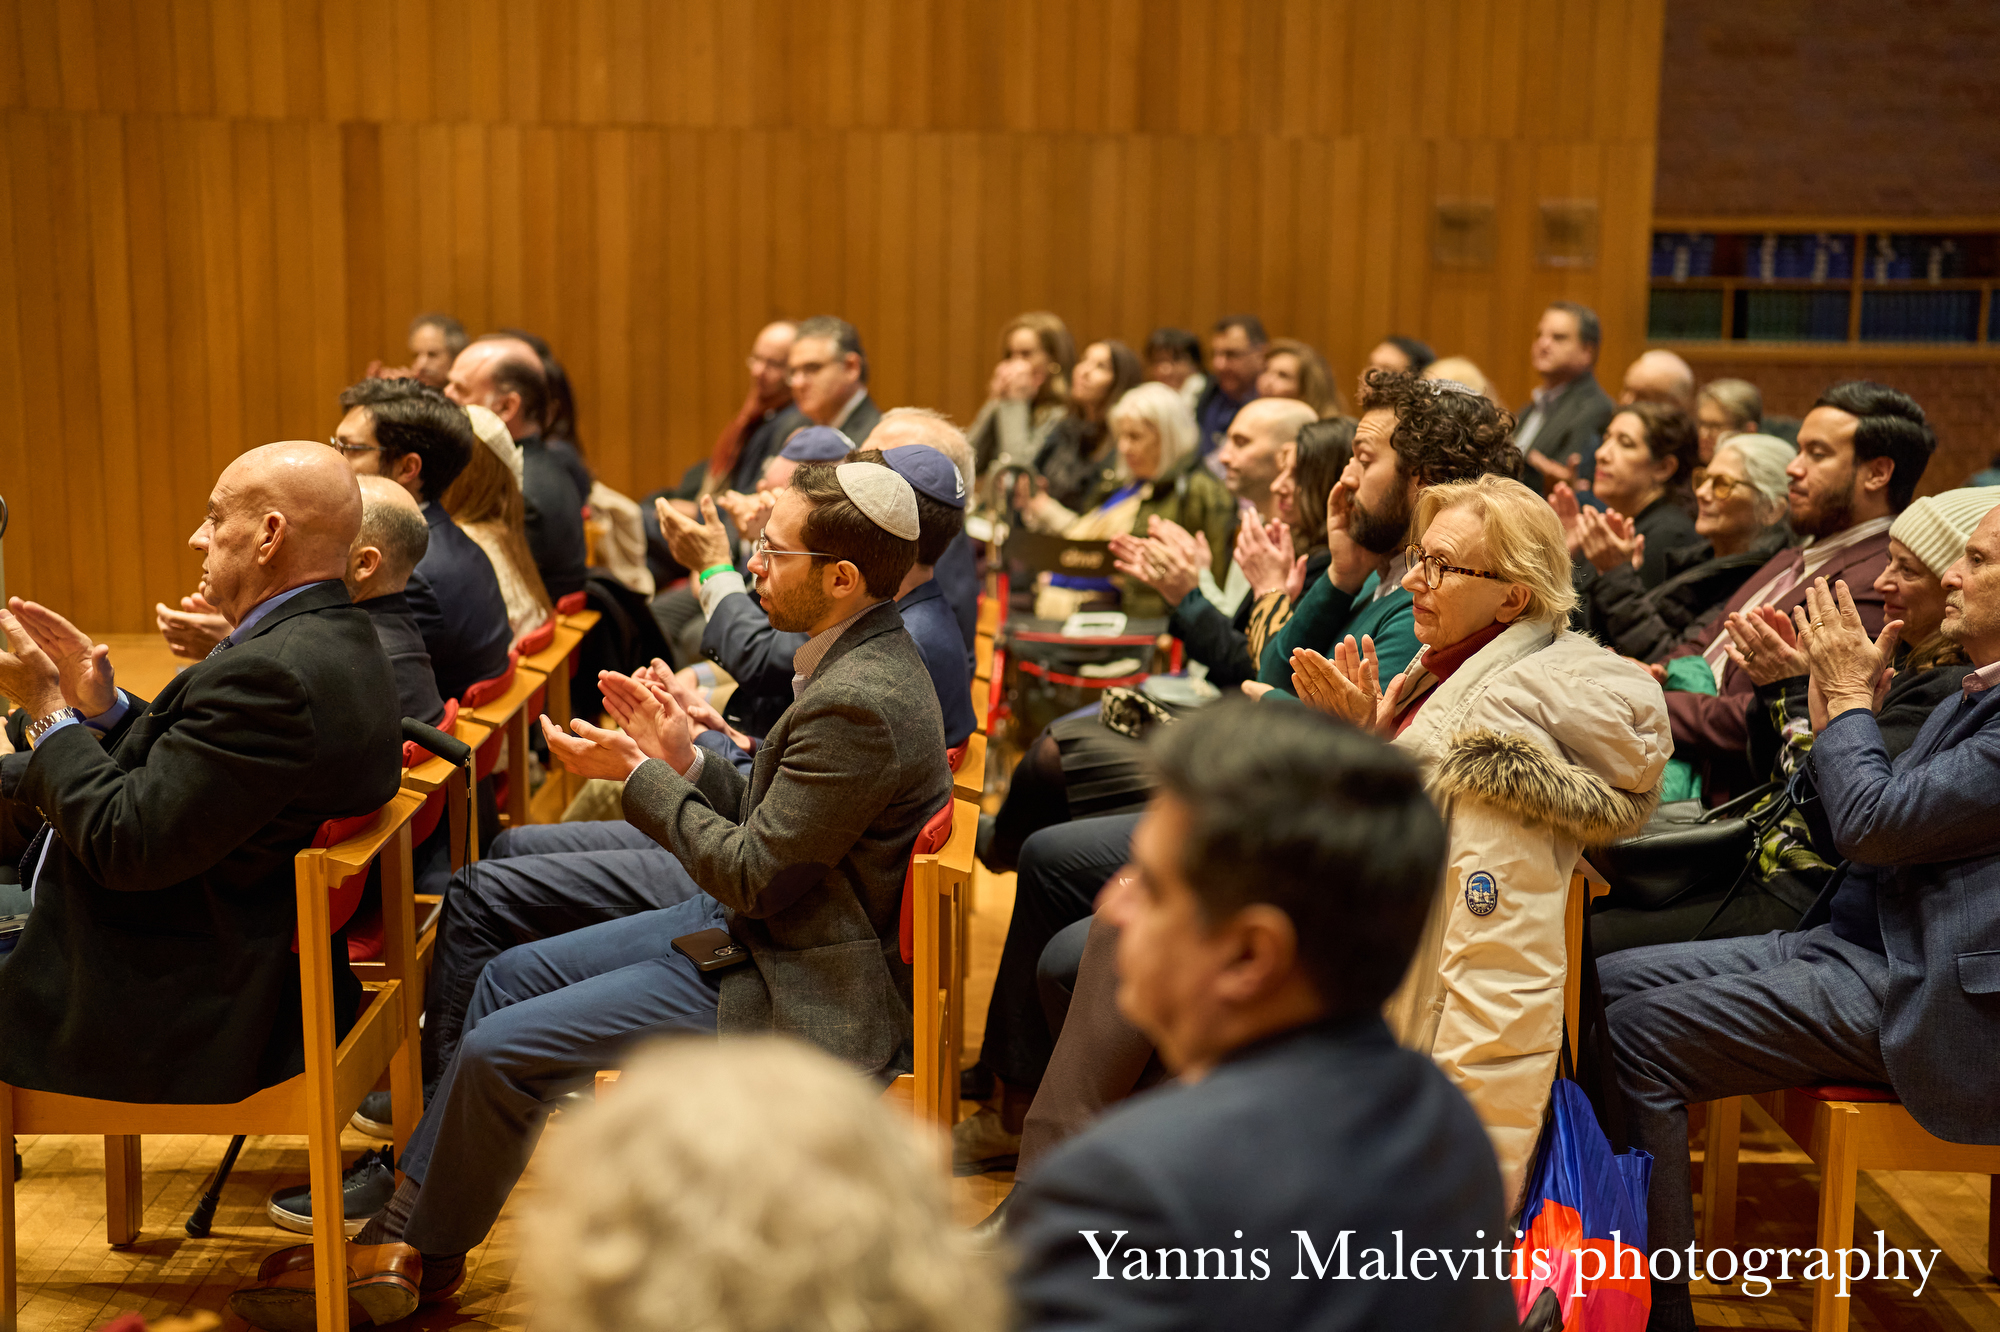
[[801, 864], [1862, 449], [1413, 433]]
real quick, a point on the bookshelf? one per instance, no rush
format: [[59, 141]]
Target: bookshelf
[[1827, 288]]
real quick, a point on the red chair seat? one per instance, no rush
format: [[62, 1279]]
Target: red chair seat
[[573, 604], [538, 638], [933, 837], [956, 757], [1834, 1091]]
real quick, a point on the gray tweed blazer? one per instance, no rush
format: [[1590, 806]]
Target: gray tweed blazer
[[809, 854]]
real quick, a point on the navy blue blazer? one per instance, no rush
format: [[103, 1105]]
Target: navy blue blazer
[[1331, 1129], [455, 596], [739, 638], [928, 616], [957, 573], [1922, 842]]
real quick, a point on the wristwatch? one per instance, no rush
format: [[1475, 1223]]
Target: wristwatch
[[41, 727]]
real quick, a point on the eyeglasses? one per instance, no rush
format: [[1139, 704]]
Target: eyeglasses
[[1435, 568], [761, 548], [761, 363], [1721, 486], [807, 370], [346, 450]]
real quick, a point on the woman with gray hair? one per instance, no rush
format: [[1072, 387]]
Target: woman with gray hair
[[1160, 475], [750, 1185], [1740, 518]]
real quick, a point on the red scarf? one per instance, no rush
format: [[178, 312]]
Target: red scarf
[[1439, 663], [729, 444]]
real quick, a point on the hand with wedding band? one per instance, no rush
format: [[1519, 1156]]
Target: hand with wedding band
[[1849, 670], [1764, 646]]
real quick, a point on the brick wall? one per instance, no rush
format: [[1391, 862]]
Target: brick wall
[[1796, 107], [1961, 401], [1830, 106]]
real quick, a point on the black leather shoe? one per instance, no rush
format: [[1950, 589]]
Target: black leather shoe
[[975, 1083], [987, 1235], [375, 1117], [366, 1187]]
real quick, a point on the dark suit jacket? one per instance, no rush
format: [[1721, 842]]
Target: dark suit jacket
[[1575, 424], [1643, 623], [1923, 844], [455, 597], [1219, 642], [403, 643], [810, 852], [1712, 730], [1328, 1129], [739, 638], [554, 518], [927, 615], [861, 422], [957, 572], [157, 964]]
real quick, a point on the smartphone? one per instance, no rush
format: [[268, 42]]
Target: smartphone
[[711, 950]]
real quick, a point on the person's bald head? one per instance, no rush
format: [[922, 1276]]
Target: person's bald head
[[392, 539], [920, 425], [505, 376], [279, 517], [770, 361], [1249, 453], [1662, 377]]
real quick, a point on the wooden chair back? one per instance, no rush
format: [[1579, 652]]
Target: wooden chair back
[[940, 888], [315, 1104]]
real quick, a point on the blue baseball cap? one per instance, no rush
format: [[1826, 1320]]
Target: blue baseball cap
[[929, 472], [817, 444]]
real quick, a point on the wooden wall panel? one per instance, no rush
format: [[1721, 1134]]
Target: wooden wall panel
[[215, 213]]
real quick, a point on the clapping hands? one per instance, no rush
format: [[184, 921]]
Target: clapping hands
[[1764, 645], [1608, 539], [1349, 686], [194, 629], [53, 663], [1169, 559], [1849, 670], [697, 545], [1264, 554]]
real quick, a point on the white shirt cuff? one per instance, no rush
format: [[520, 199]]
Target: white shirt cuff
[[693, 772]]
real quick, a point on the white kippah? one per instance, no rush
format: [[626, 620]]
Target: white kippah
[[882, 494]]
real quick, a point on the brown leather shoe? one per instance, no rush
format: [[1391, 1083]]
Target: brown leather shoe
[[382, 1284]]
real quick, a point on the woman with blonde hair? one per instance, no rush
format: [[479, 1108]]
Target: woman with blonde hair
[[1161, 475], [1461, 370], [1536, 743], [1028, 393], [750, 1184], [1292, 369], [486, 502]]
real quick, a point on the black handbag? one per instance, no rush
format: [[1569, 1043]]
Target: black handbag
[[1675, 855]]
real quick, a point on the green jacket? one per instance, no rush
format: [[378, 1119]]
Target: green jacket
[[1191, 496], [1325, 615]]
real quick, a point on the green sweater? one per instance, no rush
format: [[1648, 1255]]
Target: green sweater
[[1325, 615]]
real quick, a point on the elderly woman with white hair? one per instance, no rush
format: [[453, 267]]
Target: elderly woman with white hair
[[1536, 743], [1740, 519], [1160, 476]]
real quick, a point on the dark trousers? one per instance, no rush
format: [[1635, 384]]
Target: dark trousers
[[1100, 1058], [540, 882], [543, 1019], [1695, 1022], [1062, 869]]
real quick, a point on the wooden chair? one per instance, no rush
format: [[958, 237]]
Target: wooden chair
[[968, 777], [1586, 885], [939, 883], [314, 1105], [502, 706], [1844, 1130]]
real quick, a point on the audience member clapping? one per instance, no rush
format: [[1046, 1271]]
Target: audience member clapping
[[1740, 524], [751, 1185], [1643, 476], [1077, 465], [1027, 394], [1281, 559], [1539, 743]]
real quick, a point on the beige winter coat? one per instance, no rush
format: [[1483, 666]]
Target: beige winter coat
[[1540, 745]]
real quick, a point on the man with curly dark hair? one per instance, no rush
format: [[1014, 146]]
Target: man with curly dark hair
[[1413, 433]]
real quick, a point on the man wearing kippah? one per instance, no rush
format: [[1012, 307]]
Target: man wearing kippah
[[801, 864]]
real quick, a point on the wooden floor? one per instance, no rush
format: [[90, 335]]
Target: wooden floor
[[73, 1282]]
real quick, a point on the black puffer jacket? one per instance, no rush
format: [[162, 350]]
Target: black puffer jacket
[[1645, 624]]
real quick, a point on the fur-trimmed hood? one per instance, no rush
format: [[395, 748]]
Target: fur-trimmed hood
[[1518, 776], [1548, 725]]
